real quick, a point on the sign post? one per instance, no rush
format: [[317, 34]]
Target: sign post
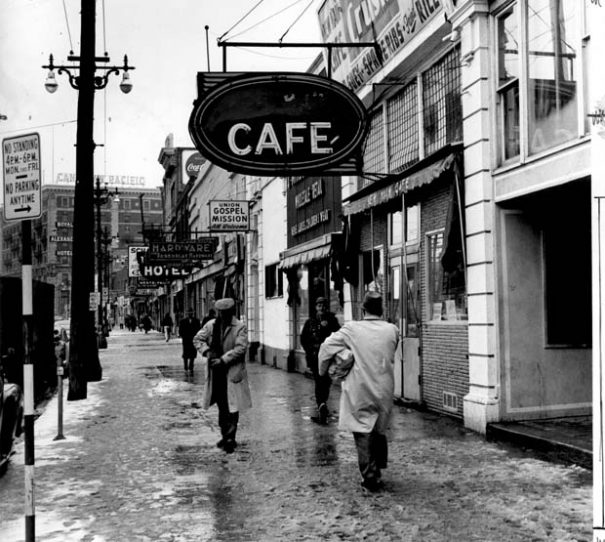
[[22, 202]]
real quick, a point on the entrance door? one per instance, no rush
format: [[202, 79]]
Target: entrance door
[[407, 359]]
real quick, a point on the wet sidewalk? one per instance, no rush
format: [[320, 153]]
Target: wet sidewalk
[[139, 463]]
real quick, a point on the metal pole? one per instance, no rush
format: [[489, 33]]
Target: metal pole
[[28, 381], [207, 49], [102, 343], [84, 362]]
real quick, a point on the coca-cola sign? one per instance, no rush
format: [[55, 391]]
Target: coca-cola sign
[[278, 124], [194, 164]]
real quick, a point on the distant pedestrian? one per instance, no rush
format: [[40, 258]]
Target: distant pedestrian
[[315, 331], [367, 391], [188, 327], [167, 324], [210, 316], [223, 341], [146, 323]]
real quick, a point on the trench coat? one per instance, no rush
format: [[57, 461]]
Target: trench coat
[[235, 342], [366, 399]]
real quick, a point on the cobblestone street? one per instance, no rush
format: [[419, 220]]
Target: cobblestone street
[[139, 463]]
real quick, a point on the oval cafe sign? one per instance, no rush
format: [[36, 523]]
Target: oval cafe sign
[[278, 124]]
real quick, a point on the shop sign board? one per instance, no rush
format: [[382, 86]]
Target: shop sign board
[[181, 252], [278, 124], [162, 273], [192, 162], [390, 23], [21, 174], [133, 259], [229, 215]]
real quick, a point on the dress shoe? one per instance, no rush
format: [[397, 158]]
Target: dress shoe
[[323, 413], [220, 443], [229, 446]]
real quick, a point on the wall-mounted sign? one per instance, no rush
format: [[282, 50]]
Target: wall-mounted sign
[[162, 273], [180, 252], [21, 174], [278, 124], [192, 162], [228, 215], [133, 259], [111, 180], [390, 23]]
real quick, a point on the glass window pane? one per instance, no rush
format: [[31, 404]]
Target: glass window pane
[[510, 109], [552, 66], [508, 46], [403, 128], [412, 224], [395, 226]]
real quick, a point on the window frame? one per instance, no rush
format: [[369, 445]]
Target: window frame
[[274, 281]]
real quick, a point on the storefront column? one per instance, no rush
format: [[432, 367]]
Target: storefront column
[[481, 404]]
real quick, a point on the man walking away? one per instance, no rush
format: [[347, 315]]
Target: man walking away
[[167, 324], [367, 391], [314, 332], [223, 341], [188, 327]]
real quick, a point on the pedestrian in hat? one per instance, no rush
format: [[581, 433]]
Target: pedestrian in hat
[[223, 341], [367, 390], [315, 331], [188, 327]]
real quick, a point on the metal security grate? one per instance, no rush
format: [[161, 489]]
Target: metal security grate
[[373, 155], [402, 112], [450, 401], [442, 114]]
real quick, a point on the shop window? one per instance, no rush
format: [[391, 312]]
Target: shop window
[[567, 270], [372, 270], [446, 278], [537, 81], [412, 226], [274, 281]]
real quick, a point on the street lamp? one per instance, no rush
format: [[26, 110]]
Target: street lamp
[[83, 352], [100, 81], [101, 196]]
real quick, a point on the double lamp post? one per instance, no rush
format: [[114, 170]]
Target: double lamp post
[[83, 352]]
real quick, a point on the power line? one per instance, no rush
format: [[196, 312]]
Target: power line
[[266, 18], [296, 20], [71, 45], [240, 20]]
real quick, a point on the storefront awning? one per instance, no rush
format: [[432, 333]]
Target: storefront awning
[[317, 249], [400, 186]]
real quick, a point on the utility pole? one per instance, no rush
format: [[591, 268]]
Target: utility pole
[[83, 352]]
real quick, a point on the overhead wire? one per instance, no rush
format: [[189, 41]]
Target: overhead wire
[[267, 18], [71, 45], [296, 20], [241, 19]]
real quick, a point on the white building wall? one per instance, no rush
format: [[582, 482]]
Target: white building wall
[[272, 241]]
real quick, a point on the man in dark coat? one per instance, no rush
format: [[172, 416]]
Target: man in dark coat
[[315, 331], [188, 327]]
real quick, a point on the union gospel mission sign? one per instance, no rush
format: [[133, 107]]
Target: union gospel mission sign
[[229, 215], [391, 23], [278, 124]]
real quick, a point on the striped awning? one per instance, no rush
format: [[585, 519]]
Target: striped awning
[[403, 185], [315, 250]]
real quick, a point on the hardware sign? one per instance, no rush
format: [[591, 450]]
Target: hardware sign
[[182, 251], [278, 124]]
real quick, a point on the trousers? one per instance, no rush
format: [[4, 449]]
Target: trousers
[[227, 421], [322, 383], [372, 454]]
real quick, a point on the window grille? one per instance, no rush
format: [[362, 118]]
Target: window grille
[[403, 128], [442, 112], [373, 155]]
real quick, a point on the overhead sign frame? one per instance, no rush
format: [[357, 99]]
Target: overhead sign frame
[[21, 161]]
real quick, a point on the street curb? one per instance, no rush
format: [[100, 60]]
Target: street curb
[[556, 450]]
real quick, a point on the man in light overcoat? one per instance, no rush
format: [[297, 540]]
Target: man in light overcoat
[[367, 390], [223, 342]]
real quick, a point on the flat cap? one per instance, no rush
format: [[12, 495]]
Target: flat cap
[[224, 304]]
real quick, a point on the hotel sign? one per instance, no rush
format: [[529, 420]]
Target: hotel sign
[[390, 23], [278, 124]]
